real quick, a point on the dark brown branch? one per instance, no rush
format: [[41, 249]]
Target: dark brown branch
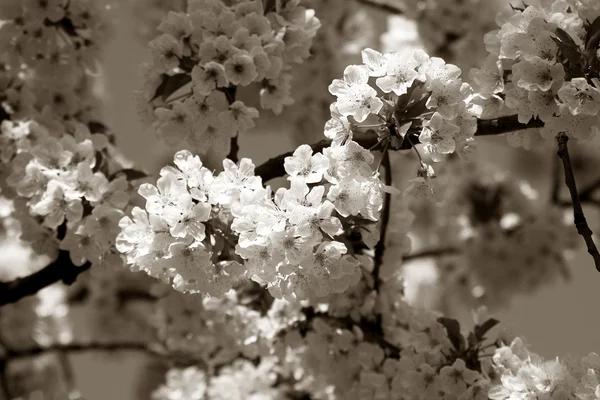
[[439, 252], [381, 5], [385, 220], [273, 168], [11, 355], [61, 270], [580, 222], [510, 123]]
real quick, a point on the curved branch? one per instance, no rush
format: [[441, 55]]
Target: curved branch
[[61, 270]]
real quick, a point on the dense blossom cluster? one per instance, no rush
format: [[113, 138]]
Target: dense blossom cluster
[[64, 176], [543, 62], [285, 240], [208, 53], [417, 93], [525, 375]]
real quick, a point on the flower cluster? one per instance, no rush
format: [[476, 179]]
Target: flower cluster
[[418, 95], [337, 358], [54, 34], [292, 240], [204, 55], [216, 331], [543, 61], [499, 240], [526, 375], [64, 180]]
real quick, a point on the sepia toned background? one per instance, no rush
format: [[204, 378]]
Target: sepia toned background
[[555, 320]]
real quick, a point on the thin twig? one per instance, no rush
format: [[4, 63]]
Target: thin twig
[[580, 222]]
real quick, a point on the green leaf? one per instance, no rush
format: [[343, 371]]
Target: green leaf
[[564, 37], [592, 38], [187, 64], [170, 84], [481, 330], [130, 174], [453, 328], [417, 108]]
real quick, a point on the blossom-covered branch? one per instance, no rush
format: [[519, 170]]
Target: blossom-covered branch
[[273, 168]]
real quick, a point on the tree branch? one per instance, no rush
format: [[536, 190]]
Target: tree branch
[[510, 123], [273, 168], [61, 270], [381, 5], [69, 348], [385, 219], [439, 252], [580, 222]]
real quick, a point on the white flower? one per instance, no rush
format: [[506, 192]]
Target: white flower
[[306, 165], [580, 97], [355, 96], [240, 69], [184, 217], [400, 73], [208, 77], [166, 192], [348, 197], [167, 50], [375, 61]]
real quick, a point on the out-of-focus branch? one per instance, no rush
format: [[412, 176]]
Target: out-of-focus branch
[[587, 191], [580, 222], [11, 355], [61, 270], [439, 252], [389, 6]]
